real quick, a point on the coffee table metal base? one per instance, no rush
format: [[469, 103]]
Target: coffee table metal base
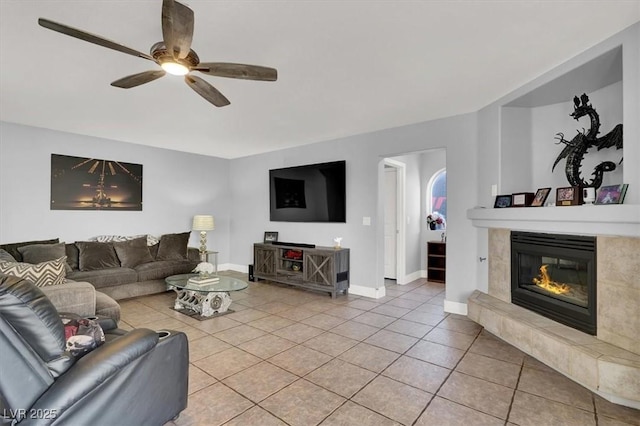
[[206, 304]]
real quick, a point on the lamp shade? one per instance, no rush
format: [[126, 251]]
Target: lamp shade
[[203, 223]]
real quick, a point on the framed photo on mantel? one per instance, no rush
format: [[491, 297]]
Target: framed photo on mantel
[[521, 199], [569, 196], [502, 201], [611, 194], [540, 197]]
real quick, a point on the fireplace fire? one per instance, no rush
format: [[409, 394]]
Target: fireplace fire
[[555, 276], [544, 281]]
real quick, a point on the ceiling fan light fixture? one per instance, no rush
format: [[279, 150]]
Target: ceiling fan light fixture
[[174, 68]]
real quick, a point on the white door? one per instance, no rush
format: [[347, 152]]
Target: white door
[[390, 222]]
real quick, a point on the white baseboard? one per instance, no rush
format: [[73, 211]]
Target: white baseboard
[[374, 293], [412, 277], [455, 307], [233, 267]]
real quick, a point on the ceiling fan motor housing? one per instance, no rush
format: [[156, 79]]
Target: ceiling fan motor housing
[[160, 54]]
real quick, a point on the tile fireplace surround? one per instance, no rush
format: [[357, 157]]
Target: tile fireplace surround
[[609, 363]]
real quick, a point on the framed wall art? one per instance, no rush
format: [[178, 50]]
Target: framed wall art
[[81, 183]]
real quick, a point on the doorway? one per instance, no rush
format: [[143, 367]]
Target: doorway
[[394, 212], [412, 172], [390, 222]]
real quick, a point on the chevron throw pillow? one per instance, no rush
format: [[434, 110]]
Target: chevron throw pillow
[[42, 274]]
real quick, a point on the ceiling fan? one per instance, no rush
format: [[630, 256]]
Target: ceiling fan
[[174, 55]]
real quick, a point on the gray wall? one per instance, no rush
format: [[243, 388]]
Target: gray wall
[[176, 186], [364, 155]]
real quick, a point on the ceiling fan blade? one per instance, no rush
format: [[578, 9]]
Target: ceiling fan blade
[[137, 79], [243, 71], [206, 90], [177, 28], [91, 38]]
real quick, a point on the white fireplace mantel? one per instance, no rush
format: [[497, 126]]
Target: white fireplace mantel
[[621, 219]]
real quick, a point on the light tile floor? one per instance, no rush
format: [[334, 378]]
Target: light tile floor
[[294, 357]]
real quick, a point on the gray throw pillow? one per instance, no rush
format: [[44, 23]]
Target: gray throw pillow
[[38, 253], [72, 255], [95, 256], [173, 246], [12, 248], [5, 256], [133, 252]]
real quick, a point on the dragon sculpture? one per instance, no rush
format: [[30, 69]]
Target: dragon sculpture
[[575, 150]]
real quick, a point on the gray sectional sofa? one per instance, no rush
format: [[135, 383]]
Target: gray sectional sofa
[[122, 278], [115, 269]]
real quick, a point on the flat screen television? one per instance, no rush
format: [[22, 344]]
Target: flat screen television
[[310, 193]]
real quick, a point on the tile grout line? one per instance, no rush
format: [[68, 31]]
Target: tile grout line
[[515, 389]]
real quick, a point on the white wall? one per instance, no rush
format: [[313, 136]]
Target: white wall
[[551, 119], [176, 186]]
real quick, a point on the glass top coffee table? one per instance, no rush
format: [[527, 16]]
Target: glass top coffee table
[[205, 300]]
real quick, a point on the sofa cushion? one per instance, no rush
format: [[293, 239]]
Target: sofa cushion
[[133, 252], [107, 307], [72, 297], [73, 255], [105, 277], [36, 253], [161, 269], [12, 248], [5, 256], [41, 274], [94, 256], [173, 246]]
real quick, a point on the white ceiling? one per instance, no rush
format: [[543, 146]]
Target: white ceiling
[[345, 67]]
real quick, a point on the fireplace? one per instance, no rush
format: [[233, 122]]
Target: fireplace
[[555, 276]]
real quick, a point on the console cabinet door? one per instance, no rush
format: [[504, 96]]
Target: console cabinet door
[[319, 267], [265, 260]]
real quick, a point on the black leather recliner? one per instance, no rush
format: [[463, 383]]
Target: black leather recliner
[[134, 378]]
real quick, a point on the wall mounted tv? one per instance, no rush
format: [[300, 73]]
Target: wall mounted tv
[[310, 193]]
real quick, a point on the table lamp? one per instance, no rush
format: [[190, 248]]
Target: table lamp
[[203, 223]]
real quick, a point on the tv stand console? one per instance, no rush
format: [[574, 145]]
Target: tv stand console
[[318, 268]]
